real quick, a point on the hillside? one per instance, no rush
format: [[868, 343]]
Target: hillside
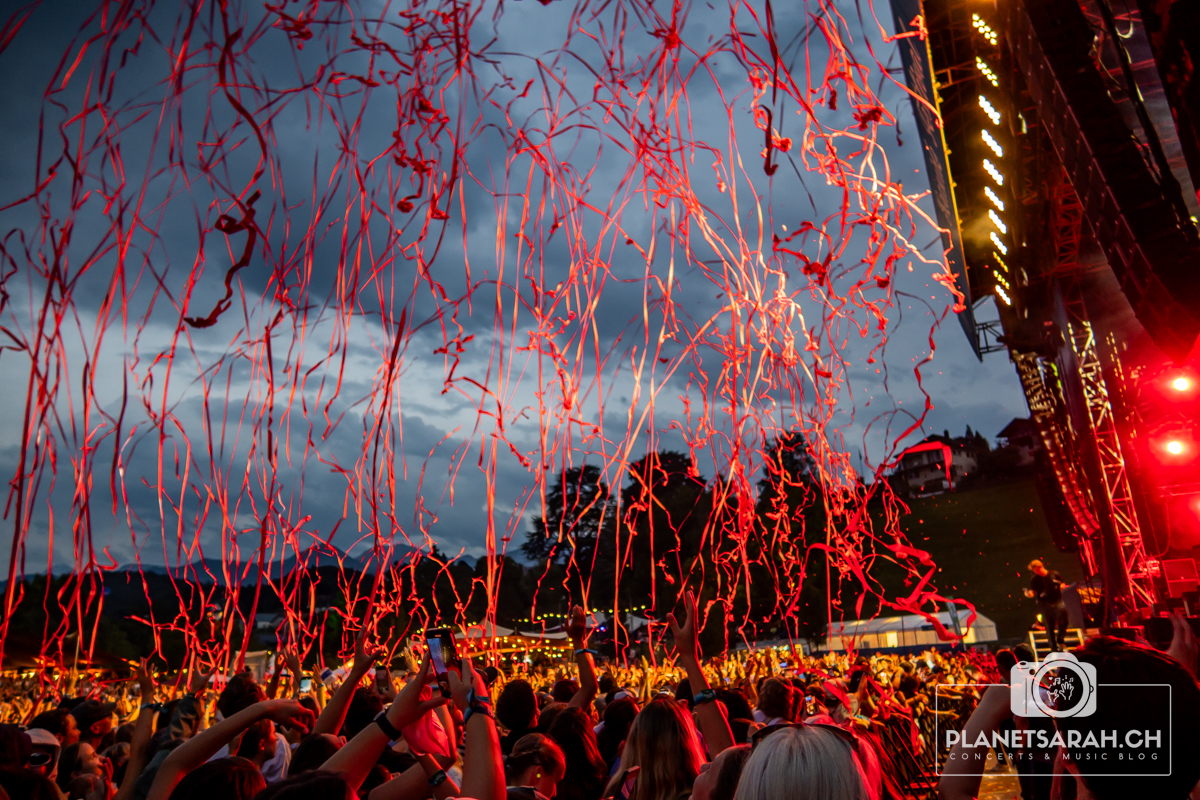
[[981, 541]]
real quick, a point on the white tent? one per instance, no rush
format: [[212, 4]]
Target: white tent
[[911, 630]]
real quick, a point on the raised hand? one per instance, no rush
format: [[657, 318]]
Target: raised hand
[[288, 712], [1183, 644], [292, 659], [461, 686], [415, 699], [364, 656], [685, 635], [199, 678], [144, 674], [577, 625]]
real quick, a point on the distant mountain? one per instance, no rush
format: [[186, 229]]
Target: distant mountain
[[314, 557]]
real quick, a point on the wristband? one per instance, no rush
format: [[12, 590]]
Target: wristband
[[436, 778], [156, 707], [587, 650], [704, 696], [477, 704], [385, 725]]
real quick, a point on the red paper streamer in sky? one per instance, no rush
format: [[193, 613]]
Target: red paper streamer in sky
[[327, 178]]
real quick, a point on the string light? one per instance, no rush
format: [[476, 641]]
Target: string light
[[995, 173], [996, 201], [989, 109], [992, 143], [999, 223], [1000, 261], [999, 244], [1003, 295]]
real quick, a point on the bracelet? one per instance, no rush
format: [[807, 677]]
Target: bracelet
[[477, 705], [587, 650], [436, 778], [385, 725], [156, 707], [704, 696]]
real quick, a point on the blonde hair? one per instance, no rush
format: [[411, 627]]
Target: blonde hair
[[664, 745], [806, 762]]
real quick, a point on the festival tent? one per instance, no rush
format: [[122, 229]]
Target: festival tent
[[910, 630]]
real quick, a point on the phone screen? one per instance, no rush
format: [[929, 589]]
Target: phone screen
[[306, 685], [443, 654]]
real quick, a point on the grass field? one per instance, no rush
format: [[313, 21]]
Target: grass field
[[981, 541]]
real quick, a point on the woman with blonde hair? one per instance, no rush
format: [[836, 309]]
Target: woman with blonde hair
[[662, 755], [806, 762]]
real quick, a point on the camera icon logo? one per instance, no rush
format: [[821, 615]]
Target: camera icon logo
[[1060, 686]]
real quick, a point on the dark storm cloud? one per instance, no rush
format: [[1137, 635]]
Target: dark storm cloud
[[963, 391]]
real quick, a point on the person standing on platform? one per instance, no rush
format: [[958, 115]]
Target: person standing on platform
[[1046, 589]]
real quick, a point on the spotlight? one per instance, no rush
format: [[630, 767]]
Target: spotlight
[[1174, 447], [1181, 384]]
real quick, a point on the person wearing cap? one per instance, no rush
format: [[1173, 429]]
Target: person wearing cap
[[43, 758], [95, 720], [1046, 590]]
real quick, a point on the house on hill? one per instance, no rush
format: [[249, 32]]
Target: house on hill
[[1022, 436], [939, 462]]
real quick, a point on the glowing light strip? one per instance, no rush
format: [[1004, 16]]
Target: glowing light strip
[[1000, 261], [995, 173], [999, 244], [992, 143], [1003, 295], [999, 223], [1000, 278], [996, 201], [989, 109]]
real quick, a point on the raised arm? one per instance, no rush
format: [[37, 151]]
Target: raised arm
[[204, 745], [334, 712], [483, 764], [139, 747], [588, 686], [273, 685], [355, 760], [713, 724]]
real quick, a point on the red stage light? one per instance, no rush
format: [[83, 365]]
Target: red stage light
[[1181, 384], [1174, 447]]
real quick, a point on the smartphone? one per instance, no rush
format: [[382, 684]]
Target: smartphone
[[810, 704], [306, 684], [444, 655]]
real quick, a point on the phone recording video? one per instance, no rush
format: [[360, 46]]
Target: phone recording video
[[444, 655]]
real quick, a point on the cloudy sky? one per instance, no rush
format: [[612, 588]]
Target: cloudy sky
[[596, 277]]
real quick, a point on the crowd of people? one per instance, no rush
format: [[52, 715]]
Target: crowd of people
[[741, 726]]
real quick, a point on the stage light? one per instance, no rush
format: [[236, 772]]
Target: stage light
[[1003, 295], [987, 71], [996, 201], [1174, 447], [999, 223], [1181, 384], [995, 173], [992, 143], [999, 244], [988, 109], [1000, 261]]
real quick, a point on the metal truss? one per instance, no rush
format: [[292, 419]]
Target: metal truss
[[1045, 407], [1115, 479]]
